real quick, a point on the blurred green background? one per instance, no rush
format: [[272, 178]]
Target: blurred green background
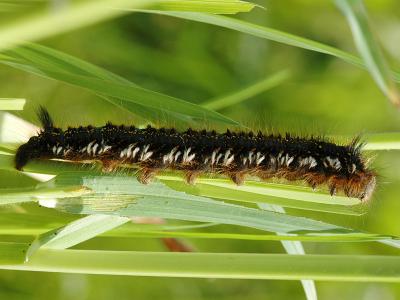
[[198, 62]]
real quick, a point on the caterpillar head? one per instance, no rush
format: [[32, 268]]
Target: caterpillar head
[[37, 146]]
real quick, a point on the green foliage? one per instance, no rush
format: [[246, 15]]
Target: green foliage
[[216, 265], [369, 49], [148, 104]]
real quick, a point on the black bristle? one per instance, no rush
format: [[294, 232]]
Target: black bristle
[[45, 119]]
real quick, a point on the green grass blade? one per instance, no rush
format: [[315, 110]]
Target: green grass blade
[[13, 253], [275, 190], [252, 192], [125, 196], [21, 195], [5, 151], [262, 192], [269, 34], [56, 65], [195, 210], [294, 247], [262, 32], [144, 232], [247, 92], [31, 225], [319, 238], [391, 242], [367, 268], [14, 130], [12, 104], [39, 22], [368, 48], [212, 7], [382, 141], [75, 232], [44, 23]]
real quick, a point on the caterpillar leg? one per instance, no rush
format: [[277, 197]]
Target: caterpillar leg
[[146, 175], [191, 176], [237, 177]]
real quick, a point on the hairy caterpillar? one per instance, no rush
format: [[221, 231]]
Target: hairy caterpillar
[[234, 154]]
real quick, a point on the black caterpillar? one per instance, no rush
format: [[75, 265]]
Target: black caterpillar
[[234, 154]]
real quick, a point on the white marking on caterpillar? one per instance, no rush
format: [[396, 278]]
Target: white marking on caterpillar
[[324, 163], [251, 154], [213, 157], [177, 156], [54, 149], [218, 158], [123, 153], [59, 149], [185, 154], [227, 153], [280, 159], [308, 161], [353, 168], [313, 162], [186, 157], [89, 147], [94, 150], [244, 160], [129, 151], [169, 158], [134, 152], [145, 155], [259, 158], [228, 158], [191, 157], [104, 149], [333, 163], [289, 160], [284, 160], [279, 155]]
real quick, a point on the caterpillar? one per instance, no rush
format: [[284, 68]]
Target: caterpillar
[[314, 160]]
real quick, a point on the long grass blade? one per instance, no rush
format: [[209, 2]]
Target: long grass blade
[[294, 247], [261, 192], [12, 104], [366, 268], [247, 92], [125, 196], [56, 65], [213, 7], [269, 34], [141, 232], [42, 21], [253, 192], [367, 46], [14, 130], [13, 253], [75, 232], [382, 141]]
